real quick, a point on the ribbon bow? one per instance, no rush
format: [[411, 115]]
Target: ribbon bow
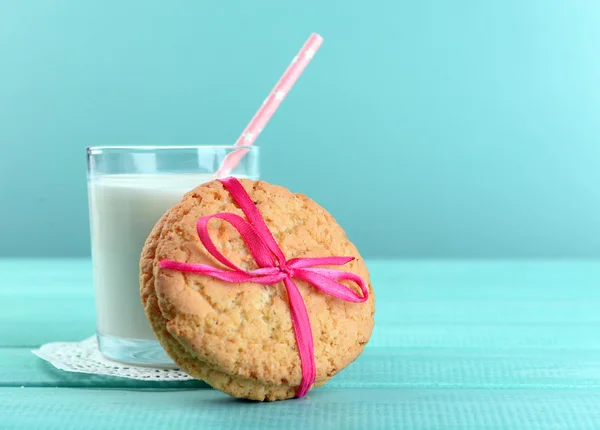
[[273, 268]]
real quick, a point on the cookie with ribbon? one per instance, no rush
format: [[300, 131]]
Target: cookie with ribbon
[[256, 290]]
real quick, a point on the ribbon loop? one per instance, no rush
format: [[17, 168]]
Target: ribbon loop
[[254, 241], [274, 268]]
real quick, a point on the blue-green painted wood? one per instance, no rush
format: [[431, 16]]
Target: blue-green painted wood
[[419, 304], [457, 344], [348, 409], [402, 368]]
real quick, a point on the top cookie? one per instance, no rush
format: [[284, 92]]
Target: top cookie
[[239, 337]]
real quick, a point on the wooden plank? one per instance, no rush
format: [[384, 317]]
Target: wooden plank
[[375, 368], [415, 409], [20, 367], [31, 333], [34, 320], [31, 277], [489, 280], [43, 300], [485, 336], [419, 304]]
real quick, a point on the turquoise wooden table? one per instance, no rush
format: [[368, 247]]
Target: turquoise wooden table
[[457, 345]]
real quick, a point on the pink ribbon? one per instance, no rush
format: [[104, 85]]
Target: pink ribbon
[[273, 268]]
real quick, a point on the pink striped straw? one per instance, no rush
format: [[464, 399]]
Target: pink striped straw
[[270, 105]]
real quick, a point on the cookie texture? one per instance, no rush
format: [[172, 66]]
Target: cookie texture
[[238, 337]]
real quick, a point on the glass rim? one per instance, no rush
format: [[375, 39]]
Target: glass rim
[[100, 149]]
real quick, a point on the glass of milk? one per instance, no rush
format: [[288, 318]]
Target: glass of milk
[[129, 189]]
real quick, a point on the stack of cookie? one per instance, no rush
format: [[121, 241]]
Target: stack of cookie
[[239, 337]]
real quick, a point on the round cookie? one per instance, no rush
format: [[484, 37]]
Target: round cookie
[[239, 337]]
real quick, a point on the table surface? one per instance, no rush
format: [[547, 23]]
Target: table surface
[[457, 345]]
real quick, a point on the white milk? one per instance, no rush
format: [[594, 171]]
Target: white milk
[[123, 211]]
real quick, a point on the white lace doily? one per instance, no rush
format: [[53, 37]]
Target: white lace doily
[[85, 357]]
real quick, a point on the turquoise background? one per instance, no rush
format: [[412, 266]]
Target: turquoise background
[[428, 129]]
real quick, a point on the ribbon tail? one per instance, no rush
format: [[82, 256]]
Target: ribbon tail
[[304, 338], [298, 263], [326, 281]]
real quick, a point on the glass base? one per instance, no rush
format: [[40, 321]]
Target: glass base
[[136, 352]]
